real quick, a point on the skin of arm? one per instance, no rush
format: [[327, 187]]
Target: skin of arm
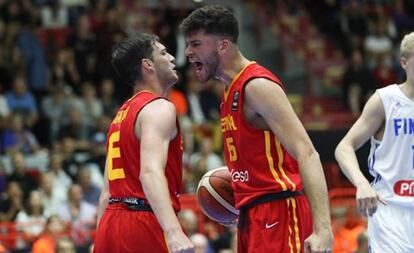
[[269, 101], [155, 127], [367, 125], [104, 197]]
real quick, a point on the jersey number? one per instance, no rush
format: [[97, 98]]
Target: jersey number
[[231, 148], [113, 153]]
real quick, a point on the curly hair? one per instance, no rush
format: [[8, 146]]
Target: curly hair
[[212, 19]]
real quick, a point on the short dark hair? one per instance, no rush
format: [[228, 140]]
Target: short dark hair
[[128, 54], [212, 19]]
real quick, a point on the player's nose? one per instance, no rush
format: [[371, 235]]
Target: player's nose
[[188, 52]]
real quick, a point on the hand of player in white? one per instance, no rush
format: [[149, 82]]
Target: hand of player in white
[[178, 242], [319, 242], [367, 200]]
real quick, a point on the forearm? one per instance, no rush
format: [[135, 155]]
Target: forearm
[[103, 202], [347, 160], [159, 198], [315, 189]]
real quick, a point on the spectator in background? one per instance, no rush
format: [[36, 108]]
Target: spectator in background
[[22, 101], [107, 35], [82, 42], [91, 192], [378, 46], [403, 21], [47, 241], [345, 235], [3, 249], [77, 210], [64, 70], [194, 101], [12, 202], [52, 199], [20, 175], [109, 102], [70, 163], [211, 159], [80, 214], [363, 245], [384, 74], [357, 83], [91, 105], [54, 15], [200, 242], [33, 56], [76, 129], [4, 108], [97, 14], [61, 181], [189, 221], [33, 218], [54, 107], [179, 101], [19, 139], [3, 180], [98, 141], [353, 19], [65, 245]]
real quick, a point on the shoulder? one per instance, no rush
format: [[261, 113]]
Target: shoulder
[[374, 106], [263, 86], [159, 107]]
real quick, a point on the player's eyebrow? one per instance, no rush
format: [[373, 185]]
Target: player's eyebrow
[[193, 41]]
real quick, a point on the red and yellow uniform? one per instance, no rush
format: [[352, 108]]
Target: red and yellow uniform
[[122, 229], [259, 166]]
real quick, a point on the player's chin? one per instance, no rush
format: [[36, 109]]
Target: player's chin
[[174, 77]]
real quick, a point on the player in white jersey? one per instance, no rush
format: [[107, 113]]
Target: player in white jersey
[[388, 119]]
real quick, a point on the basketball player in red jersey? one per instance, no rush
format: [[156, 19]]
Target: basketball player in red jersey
[[268, 152], [138, 205]]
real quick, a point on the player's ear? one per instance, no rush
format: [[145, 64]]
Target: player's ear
[[403, 62], [147, 65], [223, 45]]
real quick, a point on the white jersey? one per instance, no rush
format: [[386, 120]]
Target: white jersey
[[391, 160]]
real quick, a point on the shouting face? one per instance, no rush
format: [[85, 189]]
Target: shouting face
[[202, 52]]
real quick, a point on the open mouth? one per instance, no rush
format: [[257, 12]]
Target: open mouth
[[198, 66]]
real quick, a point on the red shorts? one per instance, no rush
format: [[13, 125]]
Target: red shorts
[[277, 226], [126, 231]]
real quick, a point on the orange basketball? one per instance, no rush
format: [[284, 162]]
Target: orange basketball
[[216, 197]]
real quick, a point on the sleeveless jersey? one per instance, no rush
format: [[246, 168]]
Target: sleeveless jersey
[[391, 160], [123, 158], [257, 161]]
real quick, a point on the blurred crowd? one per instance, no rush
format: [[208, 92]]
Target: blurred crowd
[[58, 95]]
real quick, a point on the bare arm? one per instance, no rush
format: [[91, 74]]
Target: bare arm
[[269, 100], [155, 127], [367, 125], [104, 197]]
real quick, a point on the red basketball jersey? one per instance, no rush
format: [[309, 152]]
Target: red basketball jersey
[[123, 158], [257, 161]]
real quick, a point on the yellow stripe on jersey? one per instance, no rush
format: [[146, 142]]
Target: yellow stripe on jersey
[[295, 219], [270, 161], [280, 163], [290, 230], [166, 244]]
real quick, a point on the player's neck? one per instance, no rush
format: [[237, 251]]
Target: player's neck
[[152, 86], [408, 88], [231, 67]]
